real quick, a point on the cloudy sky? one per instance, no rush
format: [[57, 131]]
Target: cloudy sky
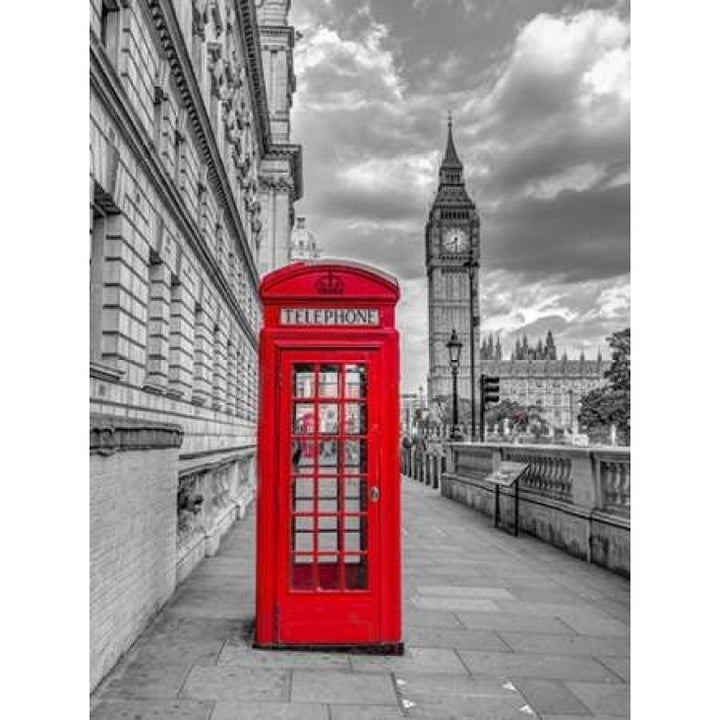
[[539, 91]]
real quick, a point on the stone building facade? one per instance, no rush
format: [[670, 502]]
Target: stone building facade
[[555, 385], [182, 142], [281, 168], [452, 256]]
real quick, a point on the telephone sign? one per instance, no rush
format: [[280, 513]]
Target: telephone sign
[[328, 545]]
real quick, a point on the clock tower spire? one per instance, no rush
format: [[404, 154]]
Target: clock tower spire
[[452, 255]]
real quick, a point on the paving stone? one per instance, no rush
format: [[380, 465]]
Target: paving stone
[[416, 659], [540, 666], [360, 712], [269, 711], [145, 679], [431, 618], [485, 709], [342, 688], [619, 665], [453, 603], [550, 696], [454, 638], [612, 700], [174, 649], [509, 621], [152, 710], [229, 682], [242, 655], [447, 697], [567, 644], [463, 591]]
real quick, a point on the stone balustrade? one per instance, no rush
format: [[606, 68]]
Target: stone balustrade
[[575, 498], [209, 499]]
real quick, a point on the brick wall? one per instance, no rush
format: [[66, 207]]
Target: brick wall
[[133, 521]]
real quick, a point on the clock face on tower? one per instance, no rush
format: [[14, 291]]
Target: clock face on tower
[[455, 240]]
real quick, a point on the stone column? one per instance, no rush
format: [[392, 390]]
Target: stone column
[[219, 367], [158, 325], [231, 401], [181, 344], [202, 367]]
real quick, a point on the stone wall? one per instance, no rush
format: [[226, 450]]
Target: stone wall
[[577, 499]]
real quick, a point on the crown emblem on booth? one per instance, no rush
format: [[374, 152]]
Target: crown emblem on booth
[[330, 284]]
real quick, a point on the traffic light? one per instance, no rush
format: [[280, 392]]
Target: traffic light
[[490, 386]]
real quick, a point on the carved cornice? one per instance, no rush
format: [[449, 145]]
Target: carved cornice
[[106, 84], [110, 434], [173, 42], [252, 53], [293, 154]]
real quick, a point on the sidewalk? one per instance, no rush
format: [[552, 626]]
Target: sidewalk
[[496, 628]]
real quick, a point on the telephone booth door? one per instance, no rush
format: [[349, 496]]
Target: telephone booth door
[[328, 552], [330, 489]]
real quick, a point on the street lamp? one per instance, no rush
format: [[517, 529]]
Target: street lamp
[[454, 347]]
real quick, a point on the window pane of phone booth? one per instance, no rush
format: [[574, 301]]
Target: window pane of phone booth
[[355, 381], [328, 418], [328, 457], [303, 456], [304, 386], [355, 421], [355, 572], [304, 419], [355, 456], [301, 573], [328, 572], [329, 381]]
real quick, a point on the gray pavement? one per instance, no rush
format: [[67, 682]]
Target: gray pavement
[[496, 628]]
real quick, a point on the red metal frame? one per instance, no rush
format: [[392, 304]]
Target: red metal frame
[[311, 589]]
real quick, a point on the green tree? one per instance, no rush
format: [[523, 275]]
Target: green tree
[[611, 403]]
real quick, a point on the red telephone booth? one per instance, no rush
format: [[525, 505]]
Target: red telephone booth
[[328, 538]]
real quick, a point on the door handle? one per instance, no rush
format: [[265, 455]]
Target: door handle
[[374, 493]]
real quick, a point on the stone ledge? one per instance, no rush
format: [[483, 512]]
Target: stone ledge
[[110, 434]]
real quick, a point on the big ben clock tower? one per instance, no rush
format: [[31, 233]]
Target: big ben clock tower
[[452, 254]]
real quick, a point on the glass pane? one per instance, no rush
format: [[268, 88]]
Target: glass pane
[[303, 506], [328, 506], [355, 456], [356, 572], [304, 381], [355, 381], [304, 523], [355, 488], [304, 419], [304, 488], [354, 541], [328, 572], [328, 418], [329, 381], [301, 573], [328, 457], [328, 541], [328, 488], [355, 421], [303, 456], [303, 541]]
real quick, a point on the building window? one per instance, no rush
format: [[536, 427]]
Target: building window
[[109, 26]]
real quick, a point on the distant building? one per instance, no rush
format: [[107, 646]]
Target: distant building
[[538, 378], [409, 405], [302, 243]]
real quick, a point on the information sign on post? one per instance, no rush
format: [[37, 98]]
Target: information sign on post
[[507, 475]]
